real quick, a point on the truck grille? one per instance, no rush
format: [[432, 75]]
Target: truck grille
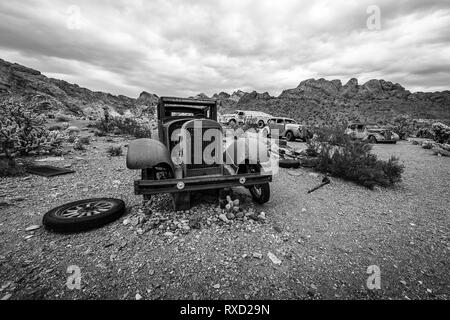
[[192, 165]]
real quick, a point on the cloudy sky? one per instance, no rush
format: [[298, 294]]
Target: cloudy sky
[[185, 47]]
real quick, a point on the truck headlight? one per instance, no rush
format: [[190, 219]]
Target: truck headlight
[[180, 185]]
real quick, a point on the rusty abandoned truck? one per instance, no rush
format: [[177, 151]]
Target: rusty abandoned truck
[[168, 166]]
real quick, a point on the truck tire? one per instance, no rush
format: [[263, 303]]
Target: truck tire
[[289, 163], [232, 122], [261, 124], [260, 193], [83, 214]]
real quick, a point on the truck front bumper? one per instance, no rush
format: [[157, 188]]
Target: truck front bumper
[[199, 183]]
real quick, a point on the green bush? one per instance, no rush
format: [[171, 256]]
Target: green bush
[[85, 140], [352, 160], [123, 125], [404, 126], [22, 131], [114, 151], [62, 118]]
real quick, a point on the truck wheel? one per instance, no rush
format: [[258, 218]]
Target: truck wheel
[[232, 122], [261, 124], [290, 136], [260, 193], [83, 214], [372, 139]]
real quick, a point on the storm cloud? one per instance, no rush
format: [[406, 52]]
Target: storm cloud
[[187, 47]]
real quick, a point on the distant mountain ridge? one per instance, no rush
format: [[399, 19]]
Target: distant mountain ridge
[[59, 95], [313, 101], [326, 102]]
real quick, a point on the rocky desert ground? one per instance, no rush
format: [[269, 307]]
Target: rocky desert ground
[[303, 246]]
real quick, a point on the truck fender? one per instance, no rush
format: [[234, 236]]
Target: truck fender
[[147, 153]]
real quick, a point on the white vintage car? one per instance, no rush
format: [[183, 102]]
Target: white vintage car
[[244, 116], [289, 129], [372, 133]]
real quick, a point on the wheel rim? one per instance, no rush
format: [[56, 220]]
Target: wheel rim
[[289, 136], [86, 209]]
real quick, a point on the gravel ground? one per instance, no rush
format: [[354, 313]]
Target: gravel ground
[[325, 241]]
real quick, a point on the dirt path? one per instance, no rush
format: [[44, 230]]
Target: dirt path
[[325, 240]]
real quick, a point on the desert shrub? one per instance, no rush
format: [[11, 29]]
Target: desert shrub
[[62, 118], [85, 140], [352, 160], [441, 132], [114, 151], [425, 133], [404, 126], [427, 145], [78, 145], [124, 125], [55, 128], [22, 131], [71, 139]]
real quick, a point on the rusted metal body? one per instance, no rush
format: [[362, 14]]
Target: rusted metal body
[[162, 172]]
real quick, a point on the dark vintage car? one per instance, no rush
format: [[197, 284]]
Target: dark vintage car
[[168, 166]]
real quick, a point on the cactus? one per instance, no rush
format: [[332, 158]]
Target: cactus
[[22, 130]]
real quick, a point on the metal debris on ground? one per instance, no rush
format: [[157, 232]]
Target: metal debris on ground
[[325, 181], [48, 171]]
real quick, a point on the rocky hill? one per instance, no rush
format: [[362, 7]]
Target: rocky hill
[[313, 102], [58, 95], [324, 102]]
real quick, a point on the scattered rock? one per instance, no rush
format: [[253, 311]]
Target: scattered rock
[[126, 222], [240, 215], [262, 216], [80, 185], [230, 216], [216, 286], [257, 255], [138, 296], [7, 296], [194, 222], [273, 258], [32, 228], [168, 234], [224, 218], [4, 204]]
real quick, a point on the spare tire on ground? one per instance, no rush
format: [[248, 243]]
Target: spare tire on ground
[[83, 214], [289, 163]]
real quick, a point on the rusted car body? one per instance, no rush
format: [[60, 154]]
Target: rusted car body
[[169, 163], [289, 129], [372, 133]]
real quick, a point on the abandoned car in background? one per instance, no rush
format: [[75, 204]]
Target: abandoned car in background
[[243, 116], [290, 129], [169, 166], [372, 133]]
